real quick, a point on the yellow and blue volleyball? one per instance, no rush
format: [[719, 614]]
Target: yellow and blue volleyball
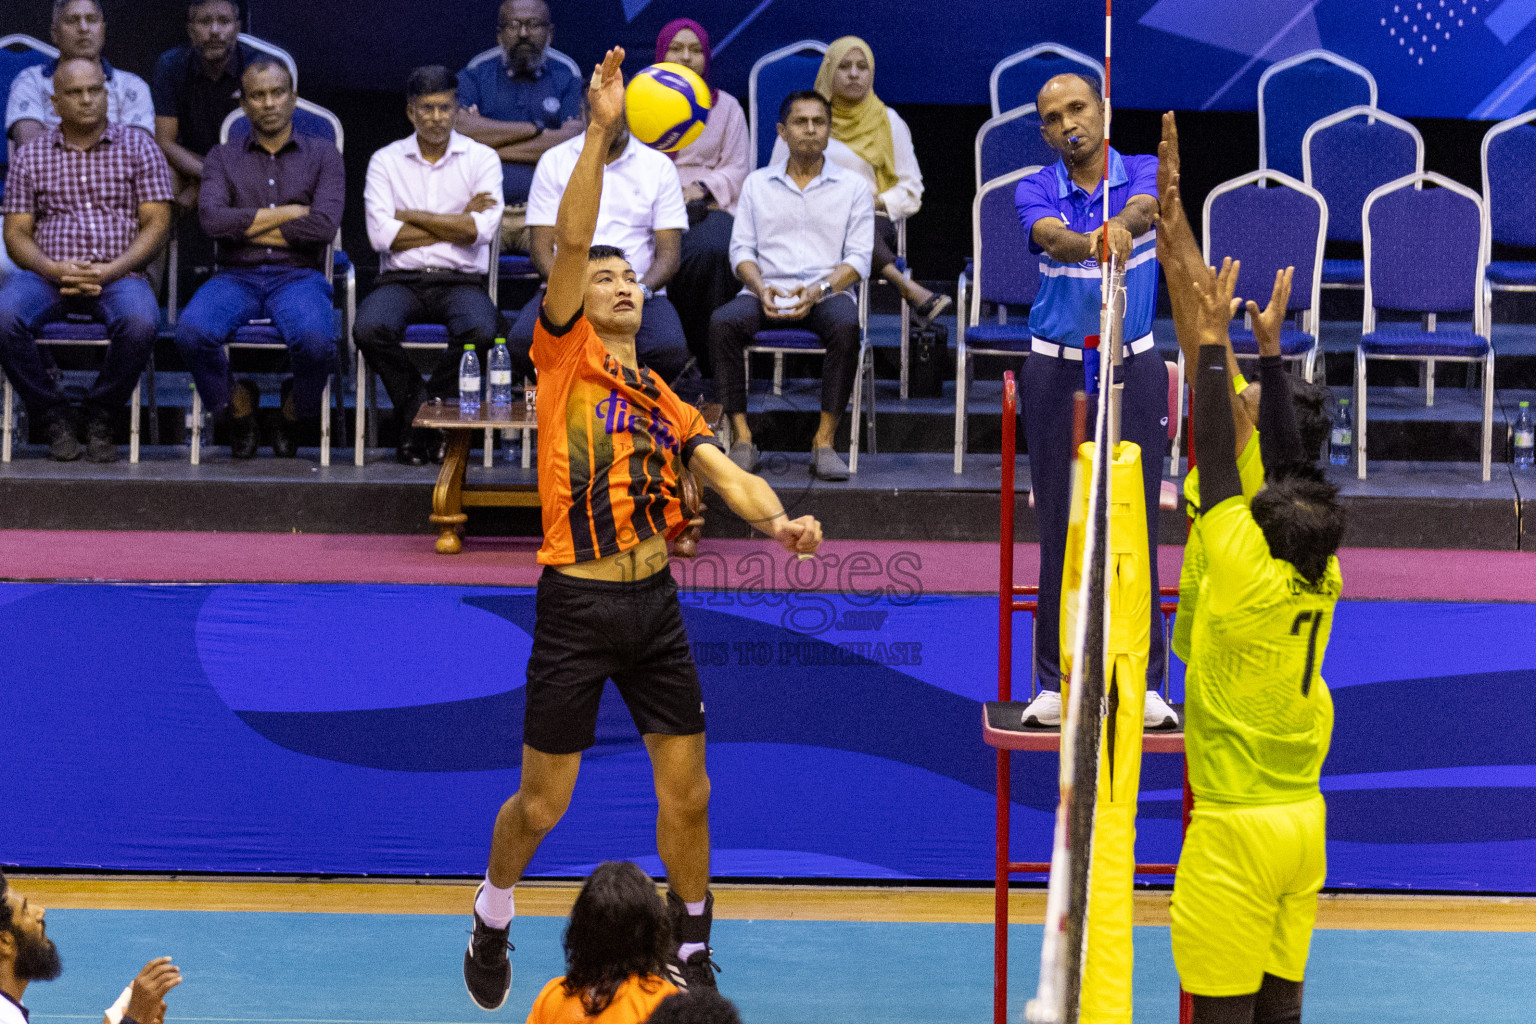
[[667, 105]]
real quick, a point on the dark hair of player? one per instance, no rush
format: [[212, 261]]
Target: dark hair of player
[[619, 928], [1299, 512], [696, 1006], [1314, 414]]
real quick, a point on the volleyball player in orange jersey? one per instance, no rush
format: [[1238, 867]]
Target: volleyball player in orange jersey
[[613, 440]]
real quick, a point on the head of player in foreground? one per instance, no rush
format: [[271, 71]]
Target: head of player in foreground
[[619, 929], [26, 952]]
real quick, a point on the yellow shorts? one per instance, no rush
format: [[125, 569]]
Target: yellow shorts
[[1245, 896]]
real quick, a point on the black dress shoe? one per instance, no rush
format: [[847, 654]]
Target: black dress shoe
[[99, 445], [439, 447], [411, 454], [285, 440], [243, 435]]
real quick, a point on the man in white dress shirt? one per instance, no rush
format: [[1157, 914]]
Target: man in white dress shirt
[[642, 213], [27, 954], [79, 30], [802, 239], [433, 203]]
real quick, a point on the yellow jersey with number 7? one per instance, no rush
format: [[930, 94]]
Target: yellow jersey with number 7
[[1258, 714]]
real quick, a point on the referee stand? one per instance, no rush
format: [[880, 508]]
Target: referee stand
[[1002, 722]]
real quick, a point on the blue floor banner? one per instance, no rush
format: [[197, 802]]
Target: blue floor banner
[[367, 729]]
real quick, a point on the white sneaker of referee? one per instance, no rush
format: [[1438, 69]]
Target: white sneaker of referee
[[1045, 711]]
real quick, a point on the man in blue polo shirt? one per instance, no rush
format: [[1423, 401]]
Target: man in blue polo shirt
[[520, 104], [1061, 209]]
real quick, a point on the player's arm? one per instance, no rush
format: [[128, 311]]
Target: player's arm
[[1215, 438], [750, 497], [1279, 438], [576, 222]]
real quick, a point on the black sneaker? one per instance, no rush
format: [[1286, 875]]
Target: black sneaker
[[63, 445], [487, 969], [99, 446], [699, 970]]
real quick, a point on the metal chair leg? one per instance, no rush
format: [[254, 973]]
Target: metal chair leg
[[1360, 389], [133, 426], [9, 425], [360, 417]]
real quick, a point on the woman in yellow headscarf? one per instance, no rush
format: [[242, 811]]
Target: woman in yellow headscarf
[[871, 139]]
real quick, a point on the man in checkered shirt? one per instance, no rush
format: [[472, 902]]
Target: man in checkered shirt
[[87, 205]]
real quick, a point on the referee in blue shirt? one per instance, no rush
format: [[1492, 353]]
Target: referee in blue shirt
[[1062, 211]]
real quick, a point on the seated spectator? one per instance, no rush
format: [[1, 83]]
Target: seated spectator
[[617, 946], [434, 204], [79, 30], [871, 139], [642, 214], [87, 205], [712, 170], [272, 200], [696, 1006], [27, 954], [195, 88], [521, 105], [802, 240]]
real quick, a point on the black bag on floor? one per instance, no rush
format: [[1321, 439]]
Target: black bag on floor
[[928, 355]]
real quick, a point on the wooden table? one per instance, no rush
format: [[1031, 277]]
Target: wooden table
[[452, 495]]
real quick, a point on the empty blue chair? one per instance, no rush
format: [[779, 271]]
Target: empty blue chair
[[1269, 229], [1346, 156], [774, 76], [1001, 270], [1297, 92], [1425, 252], [1009, 141], [1017, 78], [1509, 182]]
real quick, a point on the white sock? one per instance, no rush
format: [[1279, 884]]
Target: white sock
[[494, 905], [687, 950], [696, 909]]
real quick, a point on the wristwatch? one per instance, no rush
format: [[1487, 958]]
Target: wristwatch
[[826, 289], [646, 291]]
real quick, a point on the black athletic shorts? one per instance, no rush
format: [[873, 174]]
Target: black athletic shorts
[[589, 631]]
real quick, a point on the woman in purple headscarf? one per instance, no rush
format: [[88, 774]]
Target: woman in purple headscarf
[[712, 170]]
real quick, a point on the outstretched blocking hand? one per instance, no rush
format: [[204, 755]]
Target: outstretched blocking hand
[[1267, 323], [146, 1003], [605, 93], [1214, 303]]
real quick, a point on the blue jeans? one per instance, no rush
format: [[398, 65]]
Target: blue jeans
[[127, 306], [298, 302], [1048, 386]]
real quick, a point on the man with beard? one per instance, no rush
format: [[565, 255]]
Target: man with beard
[[520, 105], [28, 955]]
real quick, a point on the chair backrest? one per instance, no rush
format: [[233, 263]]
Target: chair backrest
[[18, 52], [1425, 248], [1509, 179], [1346, 155], [774, 76], [1269, 229], [1009, 141], [273, 50], [308, 119], [1006, 271], [1017, 78], [550, 53], [1298, 91]]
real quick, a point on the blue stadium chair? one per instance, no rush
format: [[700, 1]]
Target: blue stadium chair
[[1009, 141], [74, 331], [774, 76], [1297, 92], [550, 53], [17, 52], [781, 341], [420, 337], [1001, 270], [313, 120], [1509, 181], [1426, 252], [1345, 156], [1018, 77], [1269, 229]]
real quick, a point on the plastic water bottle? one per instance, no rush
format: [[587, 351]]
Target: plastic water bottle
[[469, 382], [499, 367], [1341, 440], [1525, 438]]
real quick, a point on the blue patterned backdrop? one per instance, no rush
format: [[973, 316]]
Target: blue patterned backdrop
[[375, 730]]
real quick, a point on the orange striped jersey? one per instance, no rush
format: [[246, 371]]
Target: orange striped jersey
[[612, 444]]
